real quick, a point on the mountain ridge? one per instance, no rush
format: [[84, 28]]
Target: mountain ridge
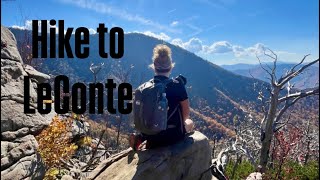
[[209, 86], [303, 81]]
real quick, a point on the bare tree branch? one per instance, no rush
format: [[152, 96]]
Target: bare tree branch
[[283, 124], [299, 94], [271, 76], [292, 69], [293, 73], [275, 59], [289, 104]]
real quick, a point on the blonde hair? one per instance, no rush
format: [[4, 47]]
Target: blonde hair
[[162, 61]]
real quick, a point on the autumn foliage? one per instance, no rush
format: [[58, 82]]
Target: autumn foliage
[[286, 144], [214, 124], [55, 142]]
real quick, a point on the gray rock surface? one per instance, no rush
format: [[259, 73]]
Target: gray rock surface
[[66, 177], [80, 128], [39, 76], [188, 159], [255, 176], [19, 157], [9, 46]]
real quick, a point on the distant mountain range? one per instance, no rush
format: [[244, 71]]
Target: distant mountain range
[[306, 80], [202, 76], [216, 94]]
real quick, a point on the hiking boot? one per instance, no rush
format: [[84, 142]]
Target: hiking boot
[[135, 141]]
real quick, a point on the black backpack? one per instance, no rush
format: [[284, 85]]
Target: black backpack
[[150, 107]]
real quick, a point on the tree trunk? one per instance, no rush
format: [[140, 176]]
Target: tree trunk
[[268, 130], [272, 154], [235, 165], [308, 143], [118, 134], [214, 147]]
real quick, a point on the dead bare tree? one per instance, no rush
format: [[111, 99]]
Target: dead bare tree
[[309, 142], [274, 106], [120, 74], [95, 69], [245, 145], [278, 104]]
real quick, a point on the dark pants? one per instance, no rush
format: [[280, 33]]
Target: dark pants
[[164, 138]]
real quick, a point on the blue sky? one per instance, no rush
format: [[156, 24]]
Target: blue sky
[[221, 31]]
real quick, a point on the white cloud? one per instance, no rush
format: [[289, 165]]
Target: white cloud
[[171, 11], [28, 26], [92, 31], [161, 36], [105, 8], [193, 45], [18, 27], [239, 51], [178, 42], [174, 23], [257, 49], [219, 47], [285, 53]]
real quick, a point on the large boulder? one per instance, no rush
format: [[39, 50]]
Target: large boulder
[[12, 89], [9, 46], [19, 157], [188, 159]]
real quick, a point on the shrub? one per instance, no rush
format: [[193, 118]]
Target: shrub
[[293, 170], [244, 169], [55, 144], [85, 141]]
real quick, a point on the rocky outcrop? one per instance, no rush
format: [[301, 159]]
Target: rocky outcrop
[[19, 159], [79, 128], [36, 75], [188, 159], [9, 46]]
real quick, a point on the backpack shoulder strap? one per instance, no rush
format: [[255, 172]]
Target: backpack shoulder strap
[[145, 84], [164, 82], [174, 110], [167, 81]]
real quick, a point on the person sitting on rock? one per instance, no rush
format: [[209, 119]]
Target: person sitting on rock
[[178, 122]]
